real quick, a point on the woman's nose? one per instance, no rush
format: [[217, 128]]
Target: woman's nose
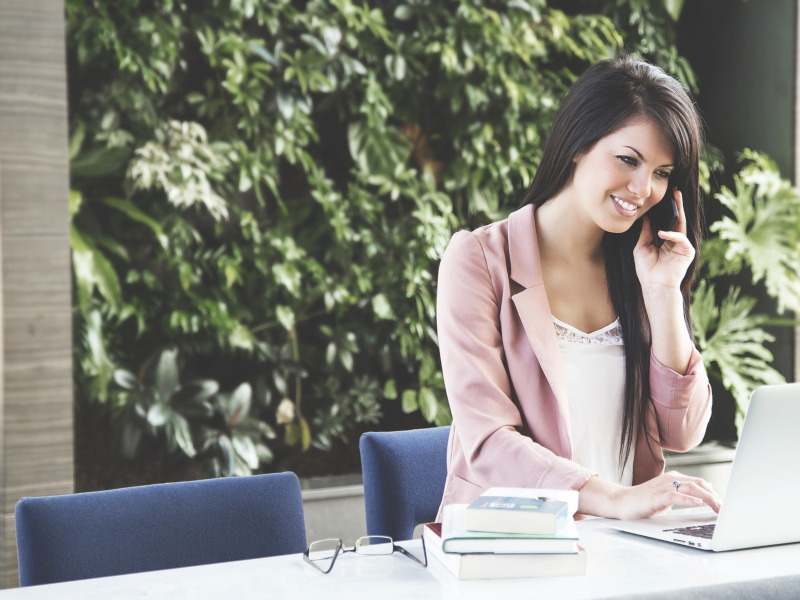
[[640, 185]]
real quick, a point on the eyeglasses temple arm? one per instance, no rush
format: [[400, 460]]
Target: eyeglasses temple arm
[[402, 550]]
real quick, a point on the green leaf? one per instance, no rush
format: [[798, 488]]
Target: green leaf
[[228, 455], [266, 430], [409, 402], [378, 150], [286, 104], [246, 450], [132, 211], [291, 436], [166, 379], [314, 43], [428, 404], [259, 50], [126, 379], [93, 271], [390, 390], [346, 360], [195, 411], [396, 66], [333, 37], [129, 441], [265, 455], [381, 307], [183, 436], [239, 404], [330, 353], [285, 317], [305, 434], [674, 8], [75, 203], [99, 162], [205, 438], [427, 368], [76, 140], [159, 414], [241, 337], [403, 12], [288, 276], [198, 391]]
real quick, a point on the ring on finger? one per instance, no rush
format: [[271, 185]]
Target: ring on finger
[[676, 484]]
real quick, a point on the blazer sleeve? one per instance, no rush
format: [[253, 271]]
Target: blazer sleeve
[[682, 403], [489, 425]]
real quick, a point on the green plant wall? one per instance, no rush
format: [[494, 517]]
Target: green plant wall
[[262, 190]]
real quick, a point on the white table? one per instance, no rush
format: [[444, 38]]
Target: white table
[[618, 565]]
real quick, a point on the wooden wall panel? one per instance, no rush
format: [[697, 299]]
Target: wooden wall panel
[[36, 414], [796, 157]]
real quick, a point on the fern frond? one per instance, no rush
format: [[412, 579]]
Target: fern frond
[[731, 340], [763, 229]]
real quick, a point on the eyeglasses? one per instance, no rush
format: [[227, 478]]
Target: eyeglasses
[[323, 553]]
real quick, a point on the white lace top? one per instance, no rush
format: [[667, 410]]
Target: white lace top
[[594, 364]]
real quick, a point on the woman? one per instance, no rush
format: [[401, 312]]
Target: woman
[[564, 330]]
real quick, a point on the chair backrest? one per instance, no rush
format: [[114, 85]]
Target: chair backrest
[[161, 526], [404, 474]]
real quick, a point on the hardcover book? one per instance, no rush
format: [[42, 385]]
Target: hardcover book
[[456, 538], [502, 566], [516, 510]]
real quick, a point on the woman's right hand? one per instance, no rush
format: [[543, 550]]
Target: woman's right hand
[[605, 499]]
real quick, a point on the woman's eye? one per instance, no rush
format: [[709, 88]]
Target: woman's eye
[[663, 174], [628, 160]]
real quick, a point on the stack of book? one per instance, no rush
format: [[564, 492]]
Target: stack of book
[[509, 533]]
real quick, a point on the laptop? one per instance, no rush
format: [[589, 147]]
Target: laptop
[[761, 501]]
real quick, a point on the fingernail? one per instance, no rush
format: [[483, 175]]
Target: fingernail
[[698, 501]]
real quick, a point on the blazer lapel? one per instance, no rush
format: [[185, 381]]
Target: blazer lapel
[[533, 307]]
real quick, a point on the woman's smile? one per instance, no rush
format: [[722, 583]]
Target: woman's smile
[[626, 209]]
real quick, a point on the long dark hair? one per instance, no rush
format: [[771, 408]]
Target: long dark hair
[[609, 95]]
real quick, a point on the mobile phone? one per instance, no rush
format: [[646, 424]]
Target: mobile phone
[[664, 216]]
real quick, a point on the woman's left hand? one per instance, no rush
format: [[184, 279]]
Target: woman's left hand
[[663, 267], [606, 499], [663, 492]]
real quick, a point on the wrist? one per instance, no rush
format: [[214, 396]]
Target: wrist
[[661, 295], [601, 498]]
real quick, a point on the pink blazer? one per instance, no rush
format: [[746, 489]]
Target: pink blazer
[[505, 382]]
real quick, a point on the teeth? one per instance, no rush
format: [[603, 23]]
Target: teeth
[[625, 205]]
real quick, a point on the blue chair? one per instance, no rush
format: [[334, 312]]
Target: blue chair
[[161, 526], [404, 474]]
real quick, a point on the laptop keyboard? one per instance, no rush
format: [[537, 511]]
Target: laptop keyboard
[[701, 531]]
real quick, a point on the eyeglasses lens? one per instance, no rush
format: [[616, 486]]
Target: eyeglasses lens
[[374, 545], [324, 552]]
